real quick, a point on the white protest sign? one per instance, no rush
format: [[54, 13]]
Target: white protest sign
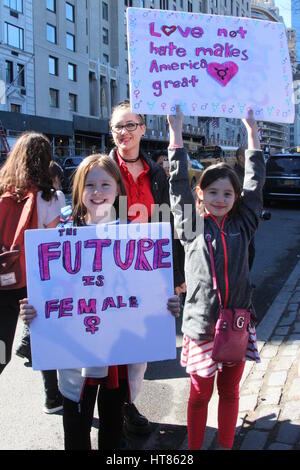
[[101, 294], [211, 65]]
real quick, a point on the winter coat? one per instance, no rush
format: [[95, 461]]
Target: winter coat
[[230, 242]]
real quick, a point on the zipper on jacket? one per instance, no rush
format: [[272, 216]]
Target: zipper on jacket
[[225, 255]]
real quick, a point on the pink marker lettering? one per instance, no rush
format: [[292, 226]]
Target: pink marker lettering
[[45, 256]]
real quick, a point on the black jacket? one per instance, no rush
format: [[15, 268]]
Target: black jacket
[[160, 191]]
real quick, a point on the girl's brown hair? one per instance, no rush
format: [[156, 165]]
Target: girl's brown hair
[[215, 172], [97, 160], [27, 166]]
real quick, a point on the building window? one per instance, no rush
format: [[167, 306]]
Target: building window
[[72, 72], [54, 98], [51, 33], [53, 65], [16, 5], [70, 42], [105, 59], [20, 75], [70, 12], [51, 5], [72, 102], [104, 11], [105, 36], [15, 108], [13, 36], [9, 69]]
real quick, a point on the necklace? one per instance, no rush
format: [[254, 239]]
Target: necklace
[[130, 161]]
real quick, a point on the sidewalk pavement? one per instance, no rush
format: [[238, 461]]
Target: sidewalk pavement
[[269, 417], [269, 412]]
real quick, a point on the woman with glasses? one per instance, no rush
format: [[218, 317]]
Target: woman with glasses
[[146, 185]]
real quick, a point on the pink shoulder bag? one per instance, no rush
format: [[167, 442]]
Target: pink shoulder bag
[[232, 328]]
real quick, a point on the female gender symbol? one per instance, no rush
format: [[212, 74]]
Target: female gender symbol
[[136, 93], [91, 324]]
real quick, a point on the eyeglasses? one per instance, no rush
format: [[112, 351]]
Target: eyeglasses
[[129, 126]]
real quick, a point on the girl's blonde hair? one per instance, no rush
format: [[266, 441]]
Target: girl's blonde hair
[[97, 160], [27, 166]]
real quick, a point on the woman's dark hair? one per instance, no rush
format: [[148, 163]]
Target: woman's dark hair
[[27, 166], [56, 171], [159, 153], [215, 172]]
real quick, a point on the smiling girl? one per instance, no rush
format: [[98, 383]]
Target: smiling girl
[[230, 218]]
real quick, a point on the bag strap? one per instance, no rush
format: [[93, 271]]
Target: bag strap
[[213, 269], [25, 217]]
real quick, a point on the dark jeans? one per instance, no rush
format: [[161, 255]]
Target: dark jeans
[[49, 376], [9, 314], [78, 417]]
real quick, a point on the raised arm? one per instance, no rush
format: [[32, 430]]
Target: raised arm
[[252, 197], [181, 198]]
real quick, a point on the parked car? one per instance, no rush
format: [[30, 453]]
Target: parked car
[[195, 171], [69, 165], [282, 177]]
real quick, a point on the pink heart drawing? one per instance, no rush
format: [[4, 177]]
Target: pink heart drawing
[[222, 73], [168, 30]]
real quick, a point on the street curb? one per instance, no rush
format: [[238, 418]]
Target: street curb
[[268, 324]]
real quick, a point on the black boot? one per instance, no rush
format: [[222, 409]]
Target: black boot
[[134, 422]]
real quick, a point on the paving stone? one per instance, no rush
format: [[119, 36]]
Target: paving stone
[[279, 446], [295, 298], [296, 328], [255, 440], [247, 402], [267, 417], [282, 330], [288, 319], [290, 411], [261, 366], [257, 374], [269, 351], [271, 396], [294, 391], [288, 433], [292, 307], [252, 386], [277, 378], [290, 350], [283, 363], [293, 339]]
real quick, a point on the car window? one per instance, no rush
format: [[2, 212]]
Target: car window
[[278, 165]]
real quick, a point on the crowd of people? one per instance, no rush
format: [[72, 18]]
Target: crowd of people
[[229, 212]]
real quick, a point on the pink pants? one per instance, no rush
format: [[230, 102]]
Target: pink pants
[[200, 394]]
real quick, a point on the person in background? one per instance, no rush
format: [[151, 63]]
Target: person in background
[[161, 158], [27, 170], [52, 405], [146, 186], [57, 174]]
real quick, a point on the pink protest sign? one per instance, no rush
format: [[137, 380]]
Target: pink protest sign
[[211, 65]]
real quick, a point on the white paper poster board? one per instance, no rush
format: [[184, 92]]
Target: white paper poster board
[[101, 295], [211, 65]]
